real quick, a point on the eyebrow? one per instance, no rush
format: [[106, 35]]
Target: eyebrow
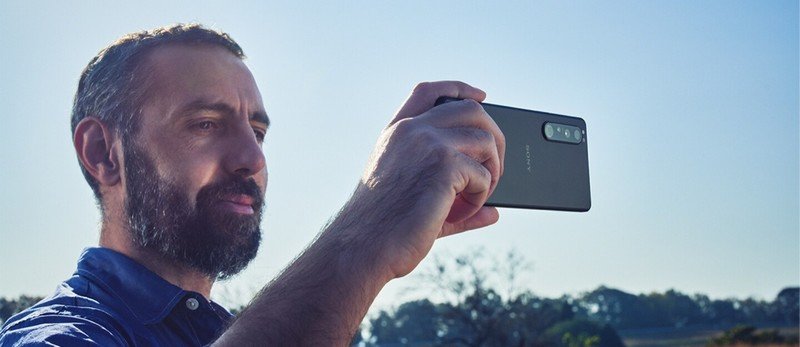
[[221, 107]]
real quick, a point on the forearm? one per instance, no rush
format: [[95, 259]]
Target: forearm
[[321, 298], [428, 177]]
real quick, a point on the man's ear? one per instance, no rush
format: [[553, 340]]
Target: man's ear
[[94, 144]]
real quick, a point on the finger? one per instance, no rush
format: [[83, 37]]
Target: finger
[[477, 144], [467, 113], [484, 217], [472, 189], [424, 96]]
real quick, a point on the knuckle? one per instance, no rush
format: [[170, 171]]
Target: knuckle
[[426, 136], [494, 169], [473, 106], [485, 174], [501, 136], [438, 157], [404, 126], [422, 87], [441, 153], [479, 136], [500, 139], [483, 136], [476, 165], [416, 133]]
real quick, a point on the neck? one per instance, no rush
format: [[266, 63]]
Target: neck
[[113, 236]]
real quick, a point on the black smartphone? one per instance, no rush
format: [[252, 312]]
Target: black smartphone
[[546, 163]]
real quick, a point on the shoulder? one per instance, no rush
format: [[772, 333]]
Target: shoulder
[[58, 331], [60, 321]]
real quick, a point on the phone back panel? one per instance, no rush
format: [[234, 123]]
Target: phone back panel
[[539, 173]]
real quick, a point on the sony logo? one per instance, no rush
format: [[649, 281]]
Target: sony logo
[[528, 158]]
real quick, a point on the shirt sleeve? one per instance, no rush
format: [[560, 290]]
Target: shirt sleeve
[[58, 331]]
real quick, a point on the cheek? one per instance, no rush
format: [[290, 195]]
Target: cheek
[[193, 172]]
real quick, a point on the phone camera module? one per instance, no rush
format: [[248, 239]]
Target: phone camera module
[[563, 133]]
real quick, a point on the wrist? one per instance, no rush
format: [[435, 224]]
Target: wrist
[[389, 227], [358, 251]]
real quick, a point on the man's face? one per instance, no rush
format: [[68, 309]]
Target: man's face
[[195, 173]]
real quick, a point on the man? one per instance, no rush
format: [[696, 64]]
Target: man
[[167, 126]]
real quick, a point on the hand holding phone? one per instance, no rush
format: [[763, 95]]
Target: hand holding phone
[[546, 162]]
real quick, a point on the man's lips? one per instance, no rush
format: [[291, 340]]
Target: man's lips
[[239, 203]]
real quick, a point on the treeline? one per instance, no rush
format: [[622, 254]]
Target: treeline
[[484, 318], [471, 311], [674, 309]]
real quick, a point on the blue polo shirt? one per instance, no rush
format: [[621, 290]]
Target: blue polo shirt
[[112, 300]]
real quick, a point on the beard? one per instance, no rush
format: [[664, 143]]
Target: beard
[[201, 236]]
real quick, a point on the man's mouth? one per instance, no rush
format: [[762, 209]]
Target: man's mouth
[[239, 203]]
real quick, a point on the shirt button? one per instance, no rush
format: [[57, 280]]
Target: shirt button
[[192, 304]]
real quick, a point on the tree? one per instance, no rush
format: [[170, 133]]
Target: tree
[[477, 314], [723, 312], [675, 309], [787, 306], [418, 321], [618, 308], [10, 307], [747, 335], [582, 333]]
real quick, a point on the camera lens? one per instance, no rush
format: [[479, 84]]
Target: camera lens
[[548, 131], [577, 135]]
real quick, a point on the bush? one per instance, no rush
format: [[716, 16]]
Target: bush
[[582, 333], [745, 334]]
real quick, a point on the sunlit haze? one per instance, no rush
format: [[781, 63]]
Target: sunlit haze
[[691, 109]]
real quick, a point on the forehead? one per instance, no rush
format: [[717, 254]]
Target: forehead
[[182, 73]]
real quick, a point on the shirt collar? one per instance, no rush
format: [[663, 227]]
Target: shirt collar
[[147, 296]]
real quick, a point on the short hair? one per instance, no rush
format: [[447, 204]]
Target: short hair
[[113, 86]]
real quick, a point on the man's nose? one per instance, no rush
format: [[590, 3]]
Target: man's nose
[[244, 157]]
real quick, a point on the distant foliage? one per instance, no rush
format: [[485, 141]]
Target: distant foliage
[[747, 335], [674, 309], [580, 332], [10, 307], [476, 314], [485, 319]]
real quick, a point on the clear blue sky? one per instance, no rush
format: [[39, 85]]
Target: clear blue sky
[[691, 106]]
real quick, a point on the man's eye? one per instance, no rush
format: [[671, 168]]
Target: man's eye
[[205, 125], [260, 135]]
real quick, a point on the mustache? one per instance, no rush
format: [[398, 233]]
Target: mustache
[[217, 191]]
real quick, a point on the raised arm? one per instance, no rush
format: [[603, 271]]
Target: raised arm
[[428, 177]]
